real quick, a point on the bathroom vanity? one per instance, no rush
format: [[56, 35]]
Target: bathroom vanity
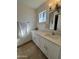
[[49, 44]]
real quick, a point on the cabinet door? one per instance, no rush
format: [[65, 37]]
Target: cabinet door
[[35, 39], [53, 51], [33, 36], [43, 46]]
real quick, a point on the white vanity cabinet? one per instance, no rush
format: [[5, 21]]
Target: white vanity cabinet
[[43, 45], [53, 50], [50, 49], [35, 38]]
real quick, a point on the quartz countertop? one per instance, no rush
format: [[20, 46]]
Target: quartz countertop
[[52, 38]]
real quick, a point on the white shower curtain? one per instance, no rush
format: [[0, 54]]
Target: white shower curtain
[[22, 29]]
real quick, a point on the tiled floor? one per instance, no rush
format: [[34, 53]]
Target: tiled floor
[[29, 51]]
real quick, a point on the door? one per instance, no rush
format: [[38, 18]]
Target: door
[[43, 46], [53, 51]]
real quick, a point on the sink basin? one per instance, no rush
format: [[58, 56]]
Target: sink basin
[[50, 34]]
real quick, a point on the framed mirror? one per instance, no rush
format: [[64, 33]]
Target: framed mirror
[[53, 20]]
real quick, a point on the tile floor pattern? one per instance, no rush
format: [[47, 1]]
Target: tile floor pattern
[[29, 51]]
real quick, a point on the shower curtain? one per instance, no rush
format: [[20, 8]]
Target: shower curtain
[[21, 29]]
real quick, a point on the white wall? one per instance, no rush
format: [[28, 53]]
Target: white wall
[[25, 14], [43, 7]]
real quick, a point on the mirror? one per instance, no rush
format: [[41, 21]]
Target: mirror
[[53, 20]]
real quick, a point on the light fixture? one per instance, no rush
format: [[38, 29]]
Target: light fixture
[[54, 5], [50, 6]]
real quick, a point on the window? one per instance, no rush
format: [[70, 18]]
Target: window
[[42, 16]]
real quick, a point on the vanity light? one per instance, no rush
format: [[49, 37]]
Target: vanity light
[[57, 1], [50, 6], [54, 5]]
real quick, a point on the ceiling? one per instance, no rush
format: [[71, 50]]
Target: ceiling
[[32, 3]]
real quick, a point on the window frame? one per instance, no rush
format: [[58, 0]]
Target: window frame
[[42, 17]]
